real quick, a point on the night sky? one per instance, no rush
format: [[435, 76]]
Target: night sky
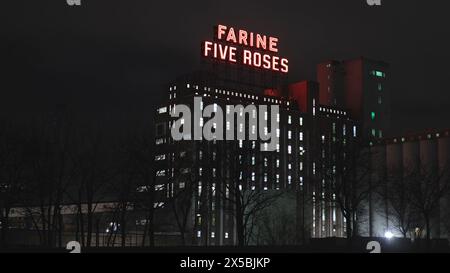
[[110, 58]]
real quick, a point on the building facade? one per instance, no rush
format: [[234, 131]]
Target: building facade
[[309, 134]]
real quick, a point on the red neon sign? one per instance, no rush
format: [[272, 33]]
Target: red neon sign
[[248, 48]]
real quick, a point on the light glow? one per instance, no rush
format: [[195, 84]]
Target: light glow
[[248, 48], [388, 235]]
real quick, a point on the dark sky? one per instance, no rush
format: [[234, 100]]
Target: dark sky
[[111, 58]]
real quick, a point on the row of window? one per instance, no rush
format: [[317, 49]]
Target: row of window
[[213, 235], [332, 111]]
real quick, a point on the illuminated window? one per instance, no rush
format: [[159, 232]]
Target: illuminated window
[[372, 115], [159, 141], [380, 87], [379, 74], [314, 107], [289, 120], [160, 157]]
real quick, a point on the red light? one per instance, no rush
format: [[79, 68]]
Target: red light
[[284, 65], [247, 56], [220, 31], [231, 37], [261, 41], [273, 43], [219, 51], [243, 37], [266, 61]]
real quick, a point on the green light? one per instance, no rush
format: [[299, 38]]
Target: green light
[[372, 115], [378, 73]]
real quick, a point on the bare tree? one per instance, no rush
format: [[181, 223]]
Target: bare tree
[[141, 149], [48, 151], [427, 187], [12, 171], [243, 199], [184, 183], [396, 192], [349, 185], [92, 173], [276, 226]]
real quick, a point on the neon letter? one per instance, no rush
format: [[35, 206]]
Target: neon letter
[[231, 36], [275, 63], [257, 59], [223, 52], [261, 41], [207, 48], [220, 31], [284, 65], [232, 55], [247, 57], [273, 44], [266, 61], [243, 37]]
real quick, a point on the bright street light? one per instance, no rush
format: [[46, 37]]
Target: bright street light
[[388, 235]]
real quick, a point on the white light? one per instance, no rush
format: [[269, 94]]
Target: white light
[[388, 235]]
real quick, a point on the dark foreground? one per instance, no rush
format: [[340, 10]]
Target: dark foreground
[[329, 245]]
